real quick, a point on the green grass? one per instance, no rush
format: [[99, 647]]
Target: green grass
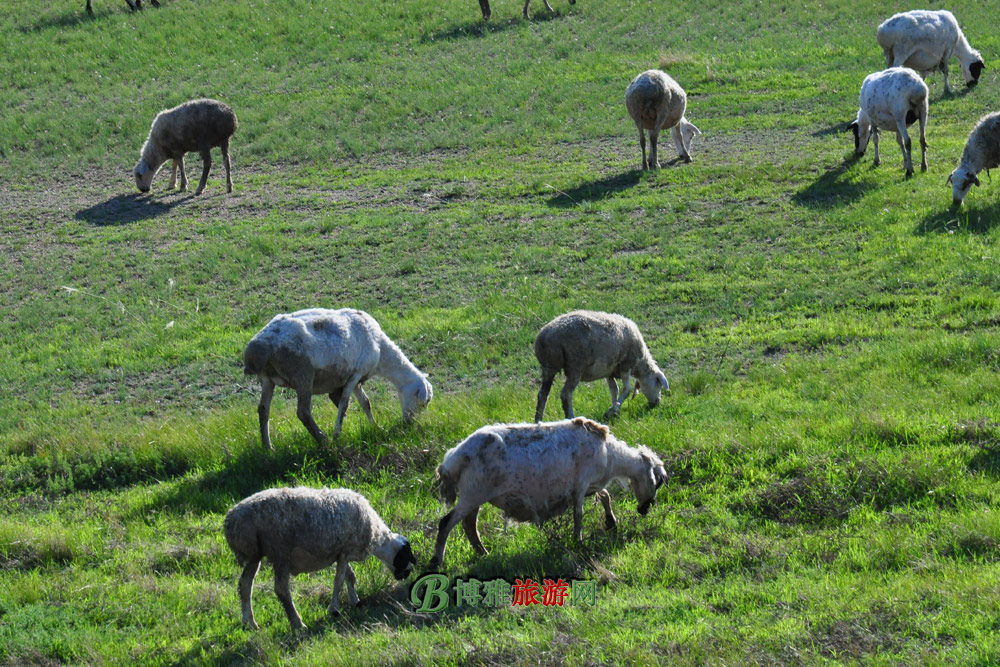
[[829, 329]]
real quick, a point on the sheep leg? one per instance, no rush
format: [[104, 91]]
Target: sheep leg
[[132, 5], [654, 163], [613, 389], [567, 395], [155, 3], [366, 405], [524, 12], [548, 6], [471, 526], [225, 160], [484, 5], [678, 137], [578, 518], [264, 411], [445, 526], [284, 593], [642, 145], [345, 399], [246, 592], [610, 522], [543, 393], [173, 176], [875, 134], [352, 592], [944, 72], [923, 141], [616, 404], [206, 157], [304, 414], [90, 10], [905, 145], [184, 177], [343, 567]]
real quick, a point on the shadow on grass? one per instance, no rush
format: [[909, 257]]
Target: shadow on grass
[[596, 190], [948, 220], [480, 28], [833, 189], [125, 209], [836, 128]]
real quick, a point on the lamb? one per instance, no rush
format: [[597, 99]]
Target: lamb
[[982, 151], [484, 6], [655, 101], [891, 100], [590, 345], [198, 125], [134, 6], [925, 41], [533, 472], [320, 351], [304, 530]]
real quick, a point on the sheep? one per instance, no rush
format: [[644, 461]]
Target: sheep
[[891, 100], [925, 41], [198, 125], [655, 101], [320, 351], [982, 151], [304, 530], [590, 345], [135, 5], [533, 472], [484, 6]]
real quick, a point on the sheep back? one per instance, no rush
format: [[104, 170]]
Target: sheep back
[[982, 148], [650, 92], [192, 126], [595, 344]]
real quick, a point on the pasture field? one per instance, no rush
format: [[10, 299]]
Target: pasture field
[[829, 329]]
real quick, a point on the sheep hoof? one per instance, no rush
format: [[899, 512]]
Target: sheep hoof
[[611, 413], [687, 159], [610, 524], [334, 613], [909, 173]]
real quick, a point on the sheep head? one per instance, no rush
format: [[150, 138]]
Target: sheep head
[[654, 475], [414, 397], [143, 176], [862, 135], [972, 71], [962, 180], [650, 381]]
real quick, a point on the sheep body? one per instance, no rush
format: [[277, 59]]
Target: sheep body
[[321, 351], [654, 102], [303, 530], [590, 345], [533, 472], [892, 100], [484, 6], [199, 125], [982, 151], [925, 41]]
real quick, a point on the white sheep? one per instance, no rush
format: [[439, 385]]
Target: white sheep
[[533, 472], [982, 151], [925, 41], [891, 100], [484, 6], [655, 101], [303, 530], [198, 125], [320, 351], [589, 345]]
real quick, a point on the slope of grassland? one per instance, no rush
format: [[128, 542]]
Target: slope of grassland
[[830, 329]]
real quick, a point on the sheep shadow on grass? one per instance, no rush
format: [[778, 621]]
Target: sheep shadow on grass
[[125, 209], [596, 190], [948, 220], [832, 189], [479, 28]]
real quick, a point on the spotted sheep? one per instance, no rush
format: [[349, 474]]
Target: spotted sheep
[[321, 351], [304, 530], [925, 41], [534, 472], [892, 100], [982, 151]]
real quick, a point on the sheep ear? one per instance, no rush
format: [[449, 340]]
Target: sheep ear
[[853, 127], [663, 381], [949, 179], [975, 179]]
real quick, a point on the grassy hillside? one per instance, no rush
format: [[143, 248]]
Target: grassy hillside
[[829, 329]]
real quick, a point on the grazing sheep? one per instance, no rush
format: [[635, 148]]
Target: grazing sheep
[[198, 125], [891, 100], [303, 530], [982, 151], [925, 41], [484, 6], [533, 472], [589, 346], [655, 101], [320, 351], [134, 6]]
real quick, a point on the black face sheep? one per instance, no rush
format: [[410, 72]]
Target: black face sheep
[[304, 530], [534, 472], [134, 6], [590, 345], [320, 351], [484, 6], [198, 125], [925, 41], [891, 100], [982, 151], [655, 102]]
